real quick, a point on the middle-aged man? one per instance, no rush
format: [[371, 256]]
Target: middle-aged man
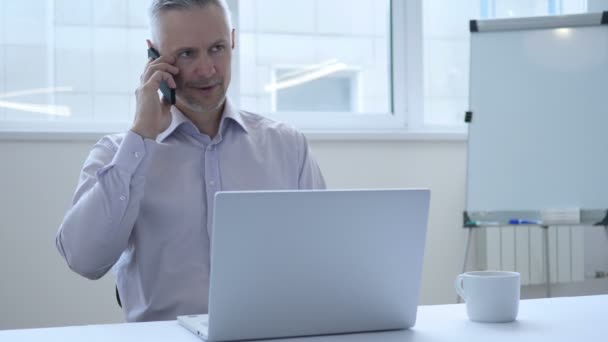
[[143, 205]]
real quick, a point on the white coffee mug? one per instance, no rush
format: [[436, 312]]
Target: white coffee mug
[[490, 296]]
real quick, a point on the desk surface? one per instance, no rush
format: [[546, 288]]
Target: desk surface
[[555, 319]]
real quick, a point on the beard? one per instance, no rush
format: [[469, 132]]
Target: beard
[[209, 104]]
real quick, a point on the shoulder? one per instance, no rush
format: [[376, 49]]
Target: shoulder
[[111, 142], [269, 128]]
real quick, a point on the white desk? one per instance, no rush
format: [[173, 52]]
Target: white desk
[[554, 319]]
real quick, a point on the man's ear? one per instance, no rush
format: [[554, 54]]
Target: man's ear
[[232, 34]]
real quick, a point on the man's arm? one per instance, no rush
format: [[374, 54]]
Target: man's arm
[[311, 176], [96, 229]]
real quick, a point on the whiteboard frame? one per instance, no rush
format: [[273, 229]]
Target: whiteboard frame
[[588, 216], [540, 22]]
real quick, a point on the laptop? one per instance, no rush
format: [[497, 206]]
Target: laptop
[[313, 262]]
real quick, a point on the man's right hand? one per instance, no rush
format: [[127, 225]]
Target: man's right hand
[[152, 115]]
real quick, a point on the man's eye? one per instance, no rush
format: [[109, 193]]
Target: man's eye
[[217, 48], [186, 53]]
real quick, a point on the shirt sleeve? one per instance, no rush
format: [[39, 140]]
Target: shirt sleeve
[[97, 226], [311, 176]]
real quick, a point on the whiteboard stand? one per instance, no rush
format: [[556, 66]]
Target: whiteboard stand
[[594, 217], [545, 248], [547, 269], [466, 255]]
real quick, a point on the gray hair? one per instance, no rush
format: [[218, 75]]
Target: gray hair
[[159, 6]]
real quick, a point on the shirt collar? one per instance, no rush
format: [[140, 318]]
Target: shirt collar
[[178, 118], [231, 112]]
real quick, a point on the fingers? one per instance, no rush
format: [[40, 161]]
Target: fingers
[[160, 64], [162, 60], [159, 76]]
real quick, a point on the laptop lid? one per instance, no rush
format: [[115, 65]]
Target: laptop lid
[[298, 263]]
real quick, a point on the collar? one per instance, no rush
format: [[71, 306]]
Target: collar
[[178, 119], [231, 112]]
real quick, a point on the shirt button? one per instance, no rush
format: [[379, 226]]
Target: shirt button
[[122, 198], [212, 183], [137, 154]]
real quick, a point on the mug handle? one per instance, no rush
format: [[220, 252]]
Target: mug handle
[[458, 286]]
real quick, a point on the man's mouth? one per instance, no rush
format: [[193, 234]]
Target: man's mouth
[[207, 88]]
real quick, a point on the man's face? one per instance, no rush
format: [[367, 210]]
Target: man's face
[[202, 43]]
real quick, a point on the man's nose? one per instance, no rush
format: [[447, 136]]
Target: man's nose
[[205, 67]]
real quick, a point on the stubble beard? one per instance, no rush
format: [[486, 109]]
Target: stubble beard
[[196, 106]]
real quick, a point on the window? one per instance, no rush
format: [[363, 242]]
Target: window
[[73, 65], [70, 65], [322, 65], [339, 51], [335, 92]]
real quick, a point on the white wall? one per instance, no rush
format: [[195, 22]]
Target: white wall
[[37, 180]]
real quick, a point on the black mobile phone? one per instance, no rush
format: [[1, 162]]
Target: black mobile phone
[[167, 92]]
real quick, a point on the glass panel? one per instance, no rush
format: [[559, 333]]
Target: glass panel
[[66, 60], [321, 55]]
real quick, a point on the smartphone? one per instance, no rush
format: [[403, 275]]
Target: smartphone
[[167, 92]]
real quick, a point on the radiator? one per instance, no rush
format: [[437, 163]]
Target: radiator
[[521, 249]]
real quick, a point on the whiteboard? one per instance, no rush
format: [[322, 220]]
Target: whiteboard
[[539, 101]]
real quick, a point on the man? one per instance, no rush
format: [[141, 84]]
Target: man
[[144, 201]]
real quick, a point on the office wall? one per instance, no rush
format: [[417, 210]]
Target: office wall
[[37, 180]]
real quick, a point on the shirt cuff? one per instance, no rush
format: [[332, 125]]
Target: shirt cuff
[[134, 154]]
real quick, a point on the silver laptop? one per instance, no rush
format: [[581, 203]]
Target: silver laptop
[[301, 263]]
